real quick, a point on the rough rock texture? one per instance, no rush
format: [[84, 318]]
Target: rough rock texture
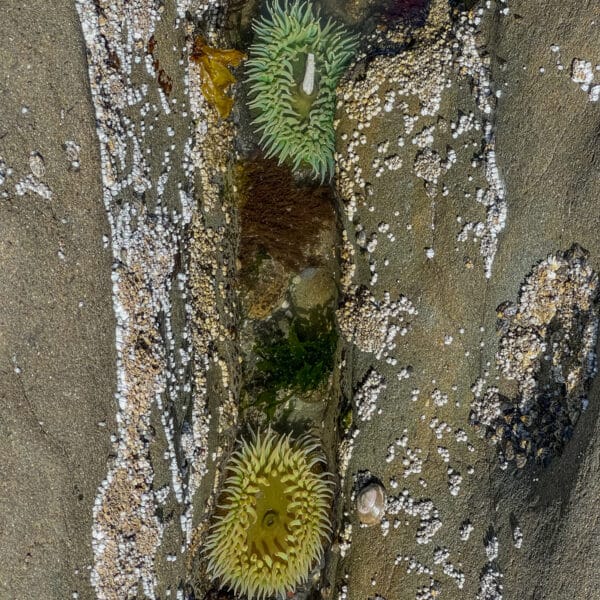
[[56, 319], [464, 528], [545, 132]]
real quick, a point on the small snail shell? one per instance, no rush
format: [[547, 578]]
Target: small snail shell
[[370, 504]]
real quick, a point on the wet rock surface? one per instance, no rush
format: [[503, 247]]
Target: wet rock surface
[[450, 488], [467, 161]]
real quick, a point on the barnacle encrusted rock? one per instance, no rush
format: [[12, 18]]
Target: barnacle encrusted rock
[[548, 349], [372, 325]]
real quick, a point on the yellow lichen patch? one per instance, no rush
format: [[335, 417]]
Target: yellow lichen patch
[[216, 77]]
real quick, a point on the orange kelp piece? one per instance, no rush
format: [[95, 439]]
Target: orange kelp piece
[[216, 77]]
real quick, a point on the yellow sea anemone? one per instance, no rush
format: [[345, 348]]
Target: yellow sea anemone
[[273, 516]]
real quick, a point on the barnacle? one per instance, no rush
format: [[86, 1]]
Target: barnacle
[[273, 516], [216, 76], [547, 348], [294, 67]]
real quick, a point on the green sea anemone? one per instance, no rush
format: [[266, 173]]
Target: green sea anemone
[[295, 65], [273, 516]]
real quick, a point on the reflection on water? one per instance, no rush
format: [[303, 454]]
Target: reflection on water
[[414, 12]]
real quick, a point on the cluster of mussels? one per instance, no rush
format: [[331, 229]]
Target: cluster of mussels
[[537, 433], [547, 348]]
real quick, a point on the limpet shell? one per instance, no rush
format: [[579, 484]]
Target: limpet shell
[[370, 504]]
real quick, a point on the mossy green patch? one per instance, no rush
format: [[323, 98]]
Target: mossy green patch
[[296, 363]]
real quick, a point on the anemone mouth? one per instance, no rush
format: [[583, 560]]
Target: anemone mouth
[[302, 99], [274, 516], [295, 65], [270, 519]]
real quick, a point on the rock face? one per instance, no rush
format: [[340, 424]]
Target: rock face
[[467, 163], [56, 321], [550, 173], [457, 232]]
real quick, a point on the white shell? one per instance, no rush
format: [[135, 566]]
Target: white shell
[[37, 165], [370, 504]]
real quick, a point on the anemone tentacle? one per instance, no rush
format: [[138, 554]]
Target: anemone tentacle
[[273, 516], [293, 123]]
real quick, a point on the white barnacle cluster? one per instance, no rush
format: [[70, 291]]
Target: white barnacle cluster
[[454, 481], [465, 530], [372, 325], [584, 74], [561, 293], [441, 556], [420, 76], [485, 406], [490, 581], [208, 10], [5, 172], [401, 442], [490, 584], [412, 462], [517, 537], [413, 565], [491, 547], [444, 453], [147, 191], [348, 265], [211, 271], [548, 348], [72, 151], [463, 124], [32, 182], [431, 591], [472, 63], [439, 428], [425, 137], [428, 167], [127, 534], [461, 435], [365, 397], [345, 450], [345, 539], [30, 185], [425, 510], [423, 74], [126, 531], [439, 398]]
